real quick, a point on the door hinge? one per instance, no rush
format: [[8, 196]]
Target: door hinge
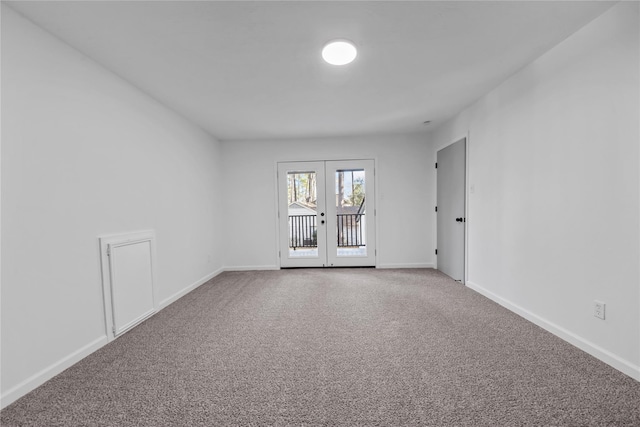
[[108, 250], [436, 209], [436, 252], [436, 165], [279, 254], [113, 329]]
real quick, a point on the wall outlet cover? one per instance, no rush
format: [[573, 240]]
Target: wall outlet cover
[[599, 309]]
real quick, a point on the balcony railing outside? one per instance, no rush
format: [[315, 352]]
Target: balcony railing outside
[[350, 230], [303, 231]]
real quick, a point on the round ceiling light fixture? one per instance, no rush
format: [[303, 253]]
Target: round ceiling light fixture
[[339, 52]]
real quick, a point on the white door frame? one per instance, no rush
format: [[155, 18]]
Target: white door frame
[[371, 195]]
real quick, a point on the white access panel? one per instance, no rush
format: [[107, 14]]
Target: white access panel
[[128, 280]]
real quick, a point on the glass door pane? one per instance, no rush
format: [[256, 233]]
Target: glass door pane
[[302, 208], [351, 209]]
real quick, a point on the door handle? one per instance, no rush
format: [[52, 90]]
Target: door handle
[[459, 219]]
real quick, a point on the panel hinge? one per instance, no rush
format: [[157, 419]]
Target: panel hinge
[[436, 252]]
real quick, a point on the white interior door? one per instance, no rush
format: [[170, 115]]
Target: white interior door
[[326, 213], [451, 209]]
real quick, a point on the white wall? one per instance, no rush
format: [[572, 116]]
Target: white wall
[[85, 154], [553, 223], [404, 205], [554, 159]]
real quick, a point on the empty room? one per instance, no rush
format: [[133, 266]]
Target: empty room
[[320, 213]]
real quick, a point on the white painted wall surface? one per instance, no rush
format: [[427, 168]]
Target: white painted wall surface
[[85, 154], [554, 160], [405, 201]]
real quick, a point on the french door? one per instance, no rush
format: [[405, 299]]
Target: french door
[[326, 213]]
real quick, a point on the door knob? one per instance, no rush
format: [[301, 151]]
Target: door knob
[[322, 222], [322, 214], [459, 219]]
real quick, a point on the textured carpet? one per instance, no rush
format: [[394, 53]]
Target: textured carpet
[[334, 347]]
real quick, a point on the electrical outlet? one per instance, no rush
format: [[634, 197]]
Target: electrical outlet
[[598, 309]]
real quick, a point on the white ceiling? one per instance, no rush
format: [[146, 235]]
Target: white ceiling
[[252, 70]]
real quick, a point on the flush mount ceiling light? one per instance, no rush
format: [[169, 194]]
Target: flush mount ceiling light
[[339, 52]]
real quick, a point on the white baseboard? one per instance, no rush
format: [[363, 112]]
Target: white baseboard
[[587, 346], [251, 267], [173, 298], [46, 374], [275, 267], [416, 265], [49, 372]]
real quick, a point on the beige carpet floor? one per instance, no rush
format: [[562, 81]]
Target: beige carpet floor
[[334, 347]]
